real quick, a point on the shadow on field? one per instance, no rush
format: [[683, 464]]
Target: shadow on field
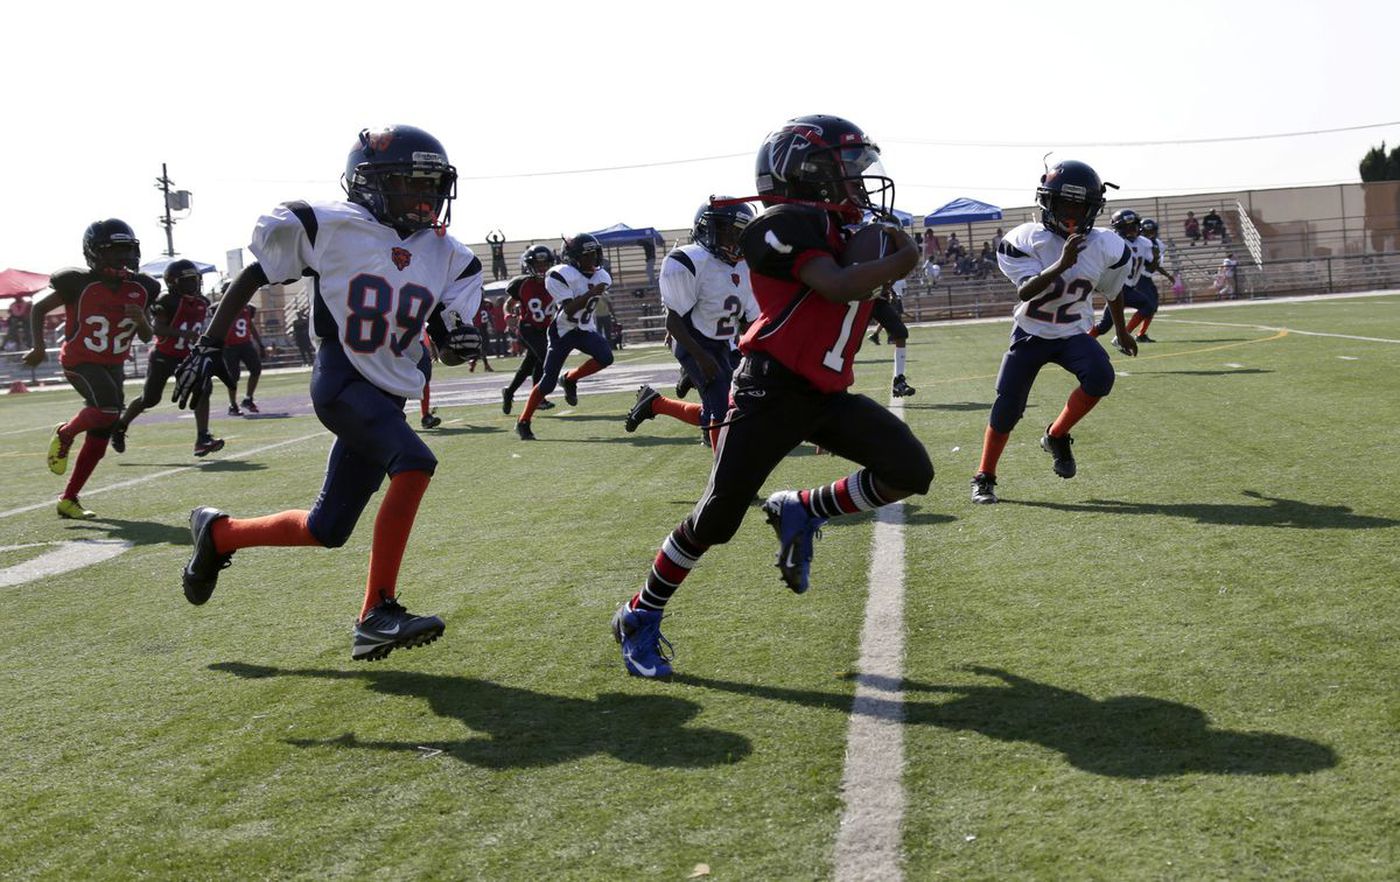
[[959, 406], [461, 430], [136, 532], [1126, 736], [1279, 513], [1228, 372], [517, 728], [207, 465]]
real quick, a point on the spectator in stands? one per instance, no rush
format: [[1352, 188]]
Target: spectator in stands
[[1192, 227], [955, 250], [497, 241], [1212, 225], [603, 312], [649, 254], [17, 330], [1225, 277], [301, 335], [932, 248], [996, 243]]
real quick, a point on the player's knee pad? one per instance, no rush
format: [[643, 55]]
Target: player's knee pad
[[1006, 413], [1098, 380], [330, 530], [604, 358], [716, 523]]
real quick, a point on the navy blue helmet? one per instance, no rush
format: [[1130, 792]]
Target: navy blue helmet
[[401, 174], [1125, 223], [583, 252], [717, 229], [1070, 196]]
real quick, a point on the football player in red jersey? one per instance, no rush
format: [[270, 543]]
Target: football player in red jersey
[[815, 173], [243, 346], [104, 307], [536, 306], [179, 317]]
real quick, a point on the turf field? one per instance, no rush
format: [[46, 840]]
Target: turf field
[[1182, 664]]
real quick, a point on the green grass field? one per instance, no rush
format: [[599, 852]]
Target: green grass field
[[1180, 665]]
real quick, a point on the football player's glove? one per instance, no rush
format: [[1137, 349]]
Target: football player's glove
[[464, 340], [195, 375]]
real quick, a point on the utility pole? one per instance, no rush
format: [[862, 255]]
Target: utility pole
[[179, 200]]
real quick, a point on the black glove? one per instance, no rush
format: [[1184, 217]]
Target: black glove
[[464, 340], [195, 375]]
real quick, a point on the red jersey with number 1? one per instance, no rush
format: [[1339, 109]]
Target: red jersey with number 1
[[806, 333], [96, 328], [183, 313]]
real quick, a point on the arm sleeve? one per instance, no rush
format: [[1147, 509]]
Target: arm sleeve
[[678, 282], [1110, 281], [285, 241], [778, 243], [1016, 264], [463, 294]]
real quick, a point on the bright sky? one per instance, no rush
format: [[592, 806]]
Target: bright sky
[[255, 103]]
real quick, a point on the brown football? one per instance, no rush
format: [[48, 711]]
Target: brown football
[[870, 242]]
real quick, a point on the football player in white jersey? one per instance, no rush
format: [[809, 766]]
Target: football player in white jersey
[[706, 291], [381, 268], [1127, 225], [1147, 286], [576, 285], [1056, 264]]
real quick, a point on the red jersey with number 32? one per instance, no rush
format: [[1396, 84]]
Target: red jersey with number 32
[[805, 332], [183, 313], [96, 328], [241, 331]]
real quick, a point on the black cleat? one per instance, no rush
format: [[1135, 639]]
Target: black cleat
[[202, 572], [431, 420], [207, 445], [1143, 338], [546, 404], [388, 627], [523, 430], [249, 406], [1059, 448], [570, 391], [875, 338], [684, 385], [507, 399], [982, 489], [641, 411], [118, 438], [901, 388], [234, 411]]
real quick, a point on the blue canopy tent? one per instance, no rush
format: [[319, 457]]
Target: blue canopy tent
[[963, 210], [156, 268], [905, 218], [619, 235]]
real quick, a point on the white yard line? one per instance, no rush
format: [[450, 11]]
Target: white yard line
[[869, 841], [67, 556], [122, 485], [1272, 328]]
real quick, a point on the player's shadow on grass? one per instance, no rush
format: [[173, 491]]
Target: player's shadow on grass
[[136, 532], [518, 728], [1279, 512], [1125, 736], [462, 430], [959, 406], [207, 465], [1228, 372]]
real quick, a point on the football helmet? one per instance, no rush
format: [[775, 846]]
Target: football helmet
[[183, 277], [401, 174], [717, 229], [824, 159], [583, 252], [111, 248], [1125, 223], [537, 259], [1148, 226], [1070, 196]]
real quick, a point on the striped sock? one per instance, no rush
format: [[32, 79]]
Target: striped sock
[[678, 556], [849, 495]]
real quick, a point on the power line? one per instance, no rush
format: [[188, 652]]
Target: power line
[[1167, 143]]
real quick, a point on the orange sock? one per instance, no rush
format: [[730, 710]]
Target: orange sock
[[1137, 320], [588, 368], [714, 439], [423, 402], [1145, 322], [283, 528], [391, 528], [993, 443], [1080, 403], [536, 396], [677, 410]]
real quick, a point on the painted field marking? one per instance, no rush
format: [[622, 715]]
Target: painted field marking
[[868, 842], [1284, 330], [66, 557]]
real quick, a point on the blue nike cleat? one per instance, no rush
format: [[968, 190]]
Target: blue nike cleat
[[796, 529], [639, 633]]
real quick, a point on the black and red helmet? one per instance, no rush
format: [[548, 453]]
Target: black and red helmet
[[824, 159]]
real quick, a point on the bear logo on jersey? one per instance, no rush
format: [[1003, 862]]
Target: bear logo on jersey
[[734, 277], [401, 257]]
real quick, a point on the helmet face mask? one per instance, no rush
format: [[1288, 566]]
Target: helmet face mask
[[183, 277], [537, 260], [1148, 226], [718, 229], [824, 159], [111, 248], [1070, 197], [584, 253], [402, 176], [1125, 223]]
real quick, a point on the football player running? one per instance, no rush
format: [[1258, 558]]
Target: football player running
[[815, 174], [243, 347], [1143, 317], [536, 307], [576, 286], [104, 306], [889, 315], [706, 291], [1056, 264], [1126, 223], [382, 267]]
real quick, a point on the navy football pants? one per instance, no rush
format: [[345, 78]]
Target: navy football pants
[[1080, 354]]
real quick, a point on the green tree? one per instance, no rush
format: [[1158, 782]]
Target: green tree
[[1377, 165]]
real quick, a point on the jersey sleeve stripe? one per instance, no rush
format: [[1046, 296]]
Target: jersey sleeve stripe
[[1010, 250], [304, 213], [558, 277], [472, 269], [1127, 254], [683, 259]]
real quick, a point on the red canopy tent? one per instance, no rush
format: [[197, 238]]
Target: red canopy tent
[[19, 283]]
